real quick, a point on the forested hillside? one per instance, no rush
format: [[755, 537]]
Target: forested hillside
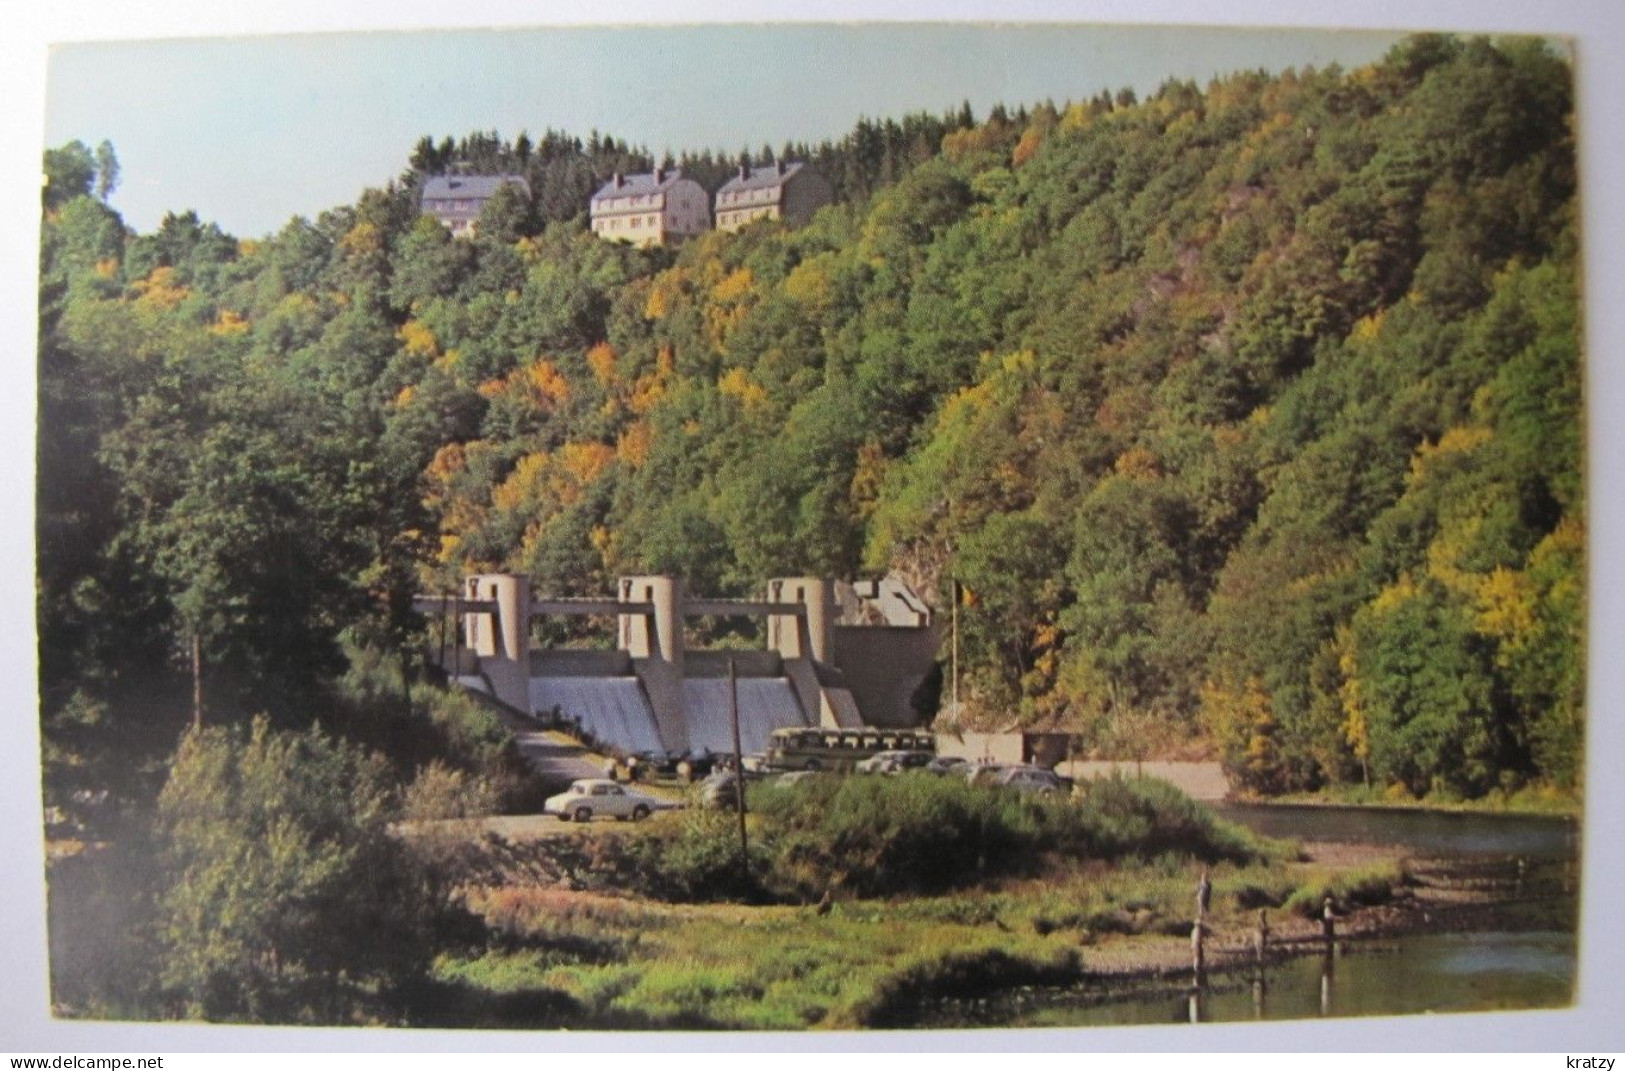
[[1248, 415]]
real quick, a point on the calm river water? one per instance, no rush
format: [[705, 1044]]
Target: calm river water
[[1426, 833], [1438, 972]]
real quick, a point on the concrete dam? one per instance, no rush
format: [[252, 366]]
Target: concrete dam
[[837, 654]]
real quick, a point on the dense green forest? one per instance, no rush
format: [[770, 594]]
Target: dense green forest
[[1248, 417]]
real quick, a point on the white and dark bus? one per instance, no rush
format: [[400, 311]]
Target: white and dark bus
[[839, 749]]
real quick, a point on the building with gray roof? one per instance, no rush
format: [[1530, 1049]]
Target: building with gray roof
[[457, 200], [788, 191], [659, 207]]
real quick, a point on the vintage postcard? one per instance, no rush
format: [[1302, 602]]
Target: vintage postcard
[[816, 526]]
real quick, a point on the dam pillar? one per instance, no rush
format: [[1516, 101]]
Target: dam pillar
[[805, 641], [655, 642], [502, 639], [805, 635]]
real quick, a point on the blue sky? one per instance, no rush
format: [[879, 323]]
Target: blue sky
[[250, 131]]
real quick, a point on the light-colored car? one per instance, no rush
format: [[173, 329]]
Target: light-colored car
[[1020, 776], [720, 791], [591, 797], [894, 762]]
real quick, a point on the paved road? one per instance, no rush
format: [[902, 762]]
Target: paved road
[[556, 758]]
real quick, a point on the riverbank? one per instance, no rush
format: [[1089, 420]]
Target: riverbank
[[1538, 801], [565, 956], [1431, 896]]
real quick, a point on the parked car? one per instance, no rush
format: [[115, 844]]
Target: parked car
[[697, 764], [944, 764], [646, 765], [1021, 776], [1034, 779], [894, 762], [590, 797], [981, 773], [720, 791]]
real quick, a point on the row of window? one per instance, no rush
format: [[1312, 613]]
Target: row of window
[[625, 223], [622, 204], [740, 218], [748, 197]]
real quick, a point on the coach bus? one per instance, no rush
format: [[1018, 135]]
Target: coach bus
[[839, 749]]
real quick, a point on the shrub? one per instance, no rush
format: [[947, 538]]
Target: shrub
[[439, 792], [1149, 817], [288, 900], [883, 835], [878, 836]]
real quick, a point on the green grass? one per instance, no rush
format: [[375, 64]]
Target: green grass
[[1529, 799], [624, 963], [1360, 887], [1116, 866]]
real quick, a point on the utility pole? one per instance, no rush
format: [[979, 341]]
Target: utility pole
[[954, 646], [197, 680], [739, 766]]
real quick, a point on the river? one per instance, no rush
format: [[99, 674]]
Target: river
[[1417, 973], [1418, 832]]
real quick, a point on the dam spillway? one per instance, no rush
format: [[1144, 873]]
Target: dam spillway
[[837, 654]]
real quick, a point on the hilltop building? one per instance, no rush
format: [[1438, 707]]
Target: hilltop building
[[788, 191], [658, 208], [840, 655], [457, 200]]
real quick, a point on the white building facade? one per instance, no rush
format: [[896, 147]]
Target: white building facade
[[660, 207]]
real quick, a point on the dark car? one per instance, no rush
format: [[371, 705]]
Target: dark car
[[698, 764], [1034, 779], [646, 765], [944, 764]]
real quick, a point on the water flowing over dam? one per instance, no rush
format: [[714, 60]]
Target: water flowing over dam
[[836, 654], [612, 709]]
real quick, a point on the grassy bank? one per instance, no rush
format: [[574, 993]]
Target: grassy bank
[[589, 960], [1530, 799], [1106, 889]]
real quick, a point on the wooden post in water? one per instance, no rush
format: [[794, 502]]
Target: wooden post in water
[[1328, 925], [1198, 955], [739, 767], [1326, 970]]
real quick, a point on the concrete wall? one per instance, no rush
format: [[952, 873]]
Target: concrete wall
[[1198, 780], [976, 747], [561, 662], [883, 666], [746, 663]]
